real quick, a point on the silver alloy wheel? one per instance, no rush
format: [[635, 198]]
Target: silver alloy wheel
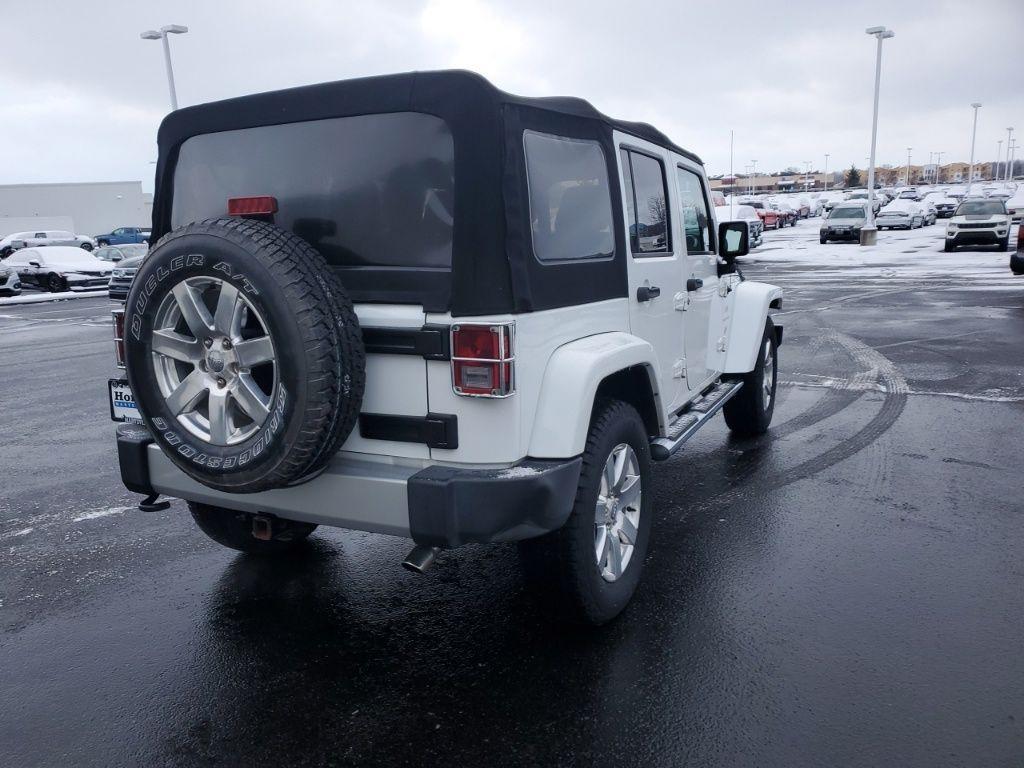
[[617, 514], [769, 374], [216, 368]]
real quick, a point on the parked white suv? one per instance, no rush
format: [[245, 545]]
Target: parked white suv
[[428, 308], [979, 221]]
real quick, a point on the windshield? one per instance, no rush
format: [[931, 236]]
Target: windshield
[[850, 212], [980, 208]]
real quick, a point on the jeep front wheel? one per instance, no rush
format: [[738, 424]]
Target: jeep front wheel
[[750, 411], [590, 567]]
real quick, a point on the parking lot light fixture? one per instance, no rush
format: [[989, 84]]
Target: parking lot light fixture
[[868, 233], [152, 34], [827, 156], [938, 166], [1009, 140], [974, 135]]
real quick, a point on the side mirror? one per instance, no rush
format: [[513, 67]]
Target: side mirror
[[733, 240]]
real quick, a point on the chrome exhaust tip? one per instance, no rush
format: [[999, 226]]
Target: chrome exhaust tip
[[420, 558]]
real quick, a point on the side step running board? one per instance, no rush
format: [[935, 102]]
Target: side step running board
[[696, 415]]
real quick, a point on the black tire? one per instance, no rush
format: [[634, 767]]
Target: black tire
[[87, 247], [1005, 245], [320, 361], [235, 530], [822, 239], [750, 411], [56, 284], [562, 566], [948, 247], [102, 242]]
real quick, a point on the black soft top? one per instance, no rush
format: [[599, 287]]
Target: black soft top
[[493, 268]]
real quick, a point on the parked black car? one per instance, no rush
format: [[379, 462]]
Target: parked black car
[[844, 222]]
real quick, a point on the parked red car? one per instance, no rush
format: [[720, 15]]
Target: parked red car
[[769, 217]]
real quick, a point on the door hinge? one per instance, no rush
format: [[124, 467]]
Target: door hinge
[[679, 368]]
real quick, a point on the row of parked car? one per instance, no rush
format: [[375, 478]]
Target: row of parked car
[[58, 268], [37, 238], [976, 221]]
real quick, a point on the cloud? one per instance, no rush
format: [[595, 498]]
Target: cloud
[[794, 80]]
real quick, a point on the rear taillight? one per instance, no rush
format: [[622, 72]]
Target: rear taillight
[[259, 205], [119, 336], [483, 360]]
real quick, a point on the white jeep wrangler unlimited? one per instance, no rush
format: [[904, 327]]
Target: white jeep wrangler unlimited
[[420, 306]]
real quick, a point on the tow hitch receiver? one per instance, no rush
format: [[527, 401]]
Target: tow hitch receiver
[[262, 528]]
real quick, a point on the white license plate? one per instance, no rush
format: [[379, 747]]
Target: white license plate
[[122, 402]]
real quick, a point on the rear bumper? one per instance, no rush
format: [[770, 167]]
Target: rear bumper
[[437, 505]]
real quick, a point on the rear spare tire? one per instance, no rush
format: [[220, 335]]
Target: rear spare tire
[[244, 354]]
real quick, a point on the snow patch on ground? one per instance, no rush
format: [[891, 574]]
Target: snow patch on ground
[[38, 298], [97, 513], [13, 534]]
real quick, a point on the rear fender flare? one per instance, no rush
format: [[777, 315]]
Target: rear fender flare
[[571, 379]]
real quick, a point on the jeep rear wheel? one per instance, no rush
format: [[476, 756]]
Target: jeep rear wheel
[[590, 568], [750, 411], [247, 532], [244, 354]]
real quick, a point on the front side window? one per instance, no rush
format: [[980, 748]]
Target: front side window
[[694, 210], [648, 209], [570, 199]]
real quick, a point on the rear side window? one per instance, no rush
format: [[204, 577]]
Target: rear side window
[[570, 201], [694, 209], [648, 209], [366, 191]]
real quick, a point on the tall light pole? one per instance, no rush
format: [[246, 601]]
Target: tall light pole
[[868, 233], [152, 34], [1009, 138], [999, 156], [827, 156], [974, 134], [753, 176], [908, 165], [1013, 156], [807, 175], [938, 166]]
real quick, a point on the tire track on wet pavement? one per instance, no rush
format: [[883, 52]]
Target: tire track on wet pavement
[[750, 476]]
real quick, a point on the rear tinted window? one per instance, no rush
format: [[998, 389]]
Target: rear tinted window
[[370, 190], [570, 203]]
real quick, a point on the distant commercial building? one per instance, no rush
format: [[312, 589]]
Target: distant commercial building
[[88, 208], [783, 182]]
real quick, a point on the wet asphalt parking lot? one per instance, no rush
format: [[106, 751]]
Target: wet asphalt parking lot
[[846, 590]]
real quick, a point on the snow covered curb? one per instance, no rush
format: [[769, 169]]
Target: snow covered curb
[[39, 298]]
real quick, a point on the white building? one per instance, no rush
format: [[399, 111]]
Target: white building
[[88, 208]]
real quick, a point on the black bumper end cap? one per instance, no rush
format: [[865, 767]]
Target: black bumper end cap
[[132, 441], [451, 506]]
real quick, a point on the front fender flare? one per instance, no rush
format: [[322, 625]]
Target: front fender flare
[[570, 384], [751, 302]]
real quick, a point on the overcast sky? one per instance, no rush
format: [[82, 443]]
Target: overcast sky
[[82, 95]]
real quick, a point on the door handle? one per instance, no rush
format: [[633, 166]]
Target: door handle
[[647, 292], [694, 283]]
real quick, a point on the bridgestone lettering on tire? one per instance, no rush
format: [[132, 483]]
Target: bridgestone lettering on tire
[[244, 354]]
